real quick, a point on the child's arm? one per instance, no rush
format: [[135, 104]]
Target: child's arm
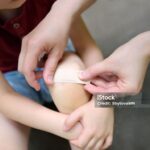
[[84, 44], [27, 112]]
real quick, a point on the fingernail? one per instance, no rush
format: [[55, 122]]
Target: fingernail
[[50, 79], [82, 74], [37, 86]]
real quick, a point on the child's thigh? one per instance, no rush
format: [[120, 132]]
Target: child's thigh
[[13, 136]]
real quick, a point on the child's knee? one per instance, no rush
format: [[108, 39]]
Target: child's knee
[[68, 97], [67, 92]]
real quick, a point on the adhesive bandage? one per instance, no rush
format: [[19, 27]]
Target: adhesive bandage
[[69, 69], [68, 76]]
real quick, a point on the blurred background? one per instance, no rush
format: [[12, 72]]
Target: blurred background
[[112, 23]]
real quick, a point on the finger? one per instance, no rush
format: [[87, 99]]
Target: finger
[[83, 140], [22, 55], [32, 80], [99, 82], [102, 83], [99, 145], [91, 144], [109, 88], [94, 89], [72, 119], [51, 65], [108, 142], [30, 64], [94, 71], [109, 77]]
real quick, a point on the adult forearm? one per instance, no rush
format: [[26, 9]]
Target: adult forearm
[[72, 7]]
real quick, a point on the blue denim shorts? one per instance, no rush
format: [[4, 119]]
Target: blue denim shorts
[[18, 82]]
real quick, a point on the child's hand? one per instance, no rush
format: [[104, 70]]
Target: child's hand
[[97, 126], [124, 71], [50, 37]]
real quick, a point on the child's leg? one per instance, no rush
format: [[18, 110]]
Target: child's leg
[[69, 96], [13, 136], [66, 92]]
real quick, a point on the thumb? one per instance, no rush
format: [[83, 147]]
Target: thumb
[[94, 71], [73, 118]]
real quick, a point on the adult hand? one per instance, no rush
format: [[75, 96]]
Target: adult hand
[[123, 71], [49, 37]]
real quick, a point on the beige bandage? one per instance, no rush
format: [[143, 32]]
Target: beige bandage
[[68, 70], [63, 75]]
